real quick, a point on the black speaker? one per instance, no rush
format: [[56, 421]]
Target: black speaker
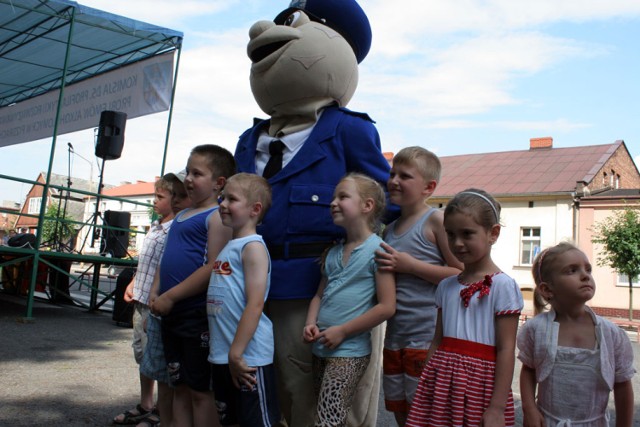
[[123, 312], [111, 135], [113, 241]]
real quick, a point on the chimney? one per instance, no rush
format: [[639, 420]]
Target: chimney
[[540, 143]]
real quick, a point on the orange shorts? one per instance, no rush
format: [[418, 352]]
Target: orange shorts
[[401, 371]]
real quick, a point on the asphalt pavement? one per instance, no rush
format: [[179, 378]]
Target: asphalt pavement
[[72, 367]]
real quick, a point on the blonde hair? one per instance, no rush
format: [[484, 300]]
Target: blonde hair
[[369, 188], [541, 271], [427, 163], [163, 184], [255, 188], [484, 209]]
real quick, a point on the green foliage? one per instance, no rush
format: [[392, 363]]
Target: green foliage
[[52, 217], [620, 237]]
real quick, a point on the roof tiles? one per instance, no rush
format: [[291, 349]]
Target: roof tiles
[[523, 172]]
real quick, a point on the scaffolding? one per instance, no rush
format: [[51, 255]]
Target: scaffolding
[[48, 46]]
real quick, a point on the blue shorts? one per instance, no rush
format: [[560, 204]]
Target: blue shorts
[[153, 364], [186, 348], [247, 407]]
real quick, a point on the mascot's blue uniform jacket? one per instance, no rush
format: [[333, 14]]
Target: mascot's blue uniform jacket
[[299, 222]]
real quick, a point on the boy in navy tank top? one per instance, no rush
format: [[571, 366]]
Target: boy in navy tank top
[[416, 249], [195, 239]]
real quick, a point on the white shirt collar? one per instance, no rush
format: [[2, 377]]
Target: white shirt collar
[[293, 141]]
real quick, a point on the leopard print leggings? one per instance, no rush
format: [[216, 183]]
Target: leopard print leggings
[[336, 379]]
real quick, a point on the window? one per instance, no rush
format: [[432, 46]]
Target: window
[[34, 205], [623, 280], [529, 244]]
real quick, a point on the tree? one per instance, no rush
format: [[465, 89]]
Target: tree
[[55, 229], [620, 237]]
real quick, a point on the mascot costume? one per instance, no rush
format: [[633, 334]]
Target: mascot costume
[[304, 71]]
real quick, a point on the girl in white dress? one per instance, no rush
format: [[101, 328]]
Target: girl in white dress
[[469, 368], [572, 356]]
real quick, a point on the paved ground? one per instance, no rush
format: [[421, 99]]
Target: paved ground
[[72, 368]]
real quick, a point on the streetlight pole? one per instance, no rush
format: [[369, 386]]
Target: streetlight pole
[[86, 160]]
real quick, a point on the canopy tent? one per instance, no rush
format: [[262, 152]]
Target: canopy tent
[[51, 45], [47, 46], [35, 36]]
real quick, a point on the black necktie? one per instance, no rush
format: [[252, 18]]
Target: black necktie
[[275, 161]]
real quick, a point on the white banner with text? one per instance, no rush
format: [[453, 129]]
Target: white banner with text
[[137, 90]]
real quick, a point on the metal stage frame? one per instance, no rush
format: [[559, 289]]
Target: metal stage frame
[[48, 45]]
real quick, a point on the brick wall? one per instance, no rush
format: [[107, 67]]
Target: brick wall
[[615, 312], [621, 164]]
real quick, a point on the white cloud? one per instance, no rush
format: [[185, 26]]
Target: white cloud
[[401, 28], [434, 64], [470, 76]]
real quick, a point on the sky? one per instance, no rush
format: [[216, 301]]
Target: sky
[[453, 76]]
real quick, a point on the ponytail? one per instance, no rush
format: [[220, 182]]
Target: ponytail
[[539, 303]]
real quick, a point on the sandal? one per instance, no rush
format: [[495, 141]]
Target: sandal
[[133, 416], [151, 420]]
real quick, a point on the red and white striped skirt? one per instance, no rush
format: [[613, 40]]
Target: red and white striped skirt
[[456, 386]]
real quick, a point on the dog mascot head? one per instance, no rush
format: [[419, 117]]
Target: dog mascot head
[[307, 59]]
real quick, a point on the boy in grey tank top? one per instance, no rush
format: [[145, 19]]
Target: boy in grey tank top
[[416, 249]]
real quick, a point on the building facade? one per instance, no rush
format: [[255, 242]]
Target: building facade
[[549, 195]]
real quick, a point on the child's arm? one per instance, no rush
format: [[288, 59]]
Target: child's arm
[[506, 328], [255, 264], [128, 292], [402, 262], [532, 415], [311, 331], [385, 308], [198, 281], [436, 221], [623, 399], [437, 338], [153, 292]]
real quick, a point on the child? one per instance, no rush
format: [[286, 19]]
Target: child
[[179, 197], [153, 364], [416, 250], [353, 297], [137, 292], [573, 356], [241, 349], [195, 239], [469, 368]]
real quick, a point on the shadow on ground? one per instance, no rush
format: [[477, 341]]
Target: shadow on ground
[[67, 367], [70, 367]]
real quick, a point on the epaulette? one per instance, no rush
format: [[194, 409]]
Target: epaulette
[[257, 120], [364, 116]]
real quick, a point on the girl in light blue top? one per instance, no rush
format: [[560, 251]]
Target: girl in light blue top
[[353, 297]]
